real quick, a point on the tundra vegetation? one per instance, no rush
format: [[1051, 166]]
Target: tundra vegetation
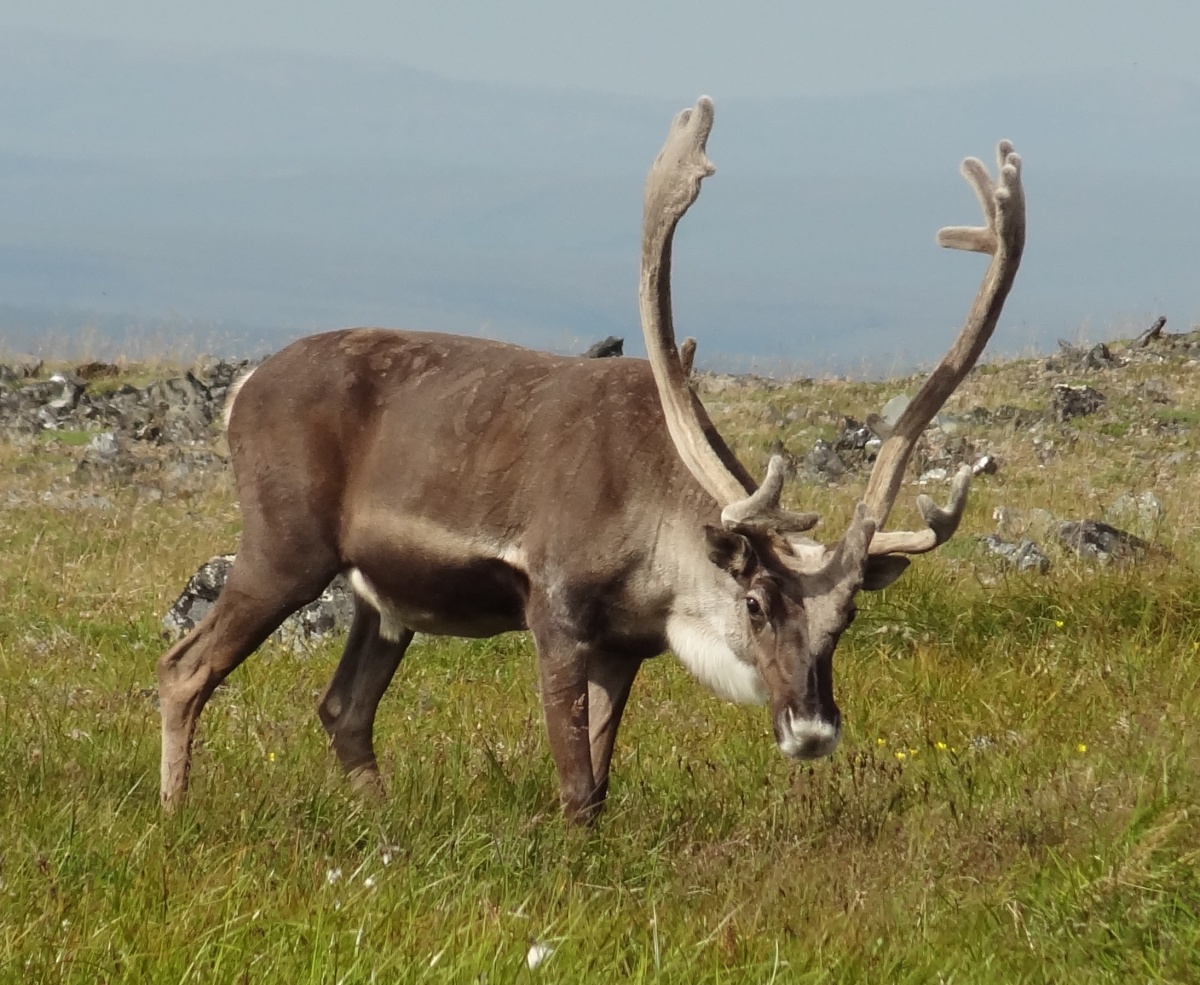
[[1016, 796]]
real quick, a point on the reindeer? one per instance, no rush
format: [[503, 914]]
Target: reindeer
[[471, 488]]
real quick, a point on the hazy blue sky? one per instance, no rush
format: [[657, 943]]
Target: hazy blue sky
[[273, 167], [672, 48]]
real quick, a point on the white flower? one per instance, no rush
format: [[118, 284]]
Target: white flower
[[332, 876]]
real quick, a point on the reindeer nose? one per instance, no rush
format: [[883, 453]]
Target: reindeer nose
[[807, 738]]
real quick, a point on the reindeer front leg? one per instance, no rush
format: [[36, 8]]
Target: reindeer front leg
[[563, 666]]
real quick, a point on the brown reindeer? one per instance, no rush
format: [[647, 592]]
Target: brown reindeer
[[471, 488]]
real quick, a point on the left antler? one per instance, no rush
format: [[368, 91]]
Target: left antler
[[1003, 236]]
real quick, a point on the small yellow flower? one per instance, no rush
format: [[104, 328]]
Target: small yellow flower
[[1058, 623], [913, 752], [270, 757], [900, 755], [881, 742], [1081, 748], [940, 746]]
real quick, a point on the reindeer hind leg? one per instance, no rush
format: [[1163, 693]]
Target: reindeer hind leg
[[254, 602]]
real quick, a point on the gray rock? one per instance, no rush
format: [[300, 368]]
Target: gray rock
[[985, 465], [20, 368], [853, 437], [893, 409], [954, 424], [1012, 523], [332, 612], [1101, 541], [1075, 401], [606, 348], [1143, 512], [104, 445], [1024, 555], [822, 463]]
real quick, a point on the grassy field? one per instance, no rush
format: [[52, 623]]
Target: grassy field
[[1017, 797]]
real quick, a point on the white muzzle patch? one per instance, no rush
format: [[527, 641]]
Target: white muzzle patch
[[807, 738]]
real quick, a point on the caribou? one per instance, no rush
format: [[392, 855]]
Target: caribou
[[470, 487]]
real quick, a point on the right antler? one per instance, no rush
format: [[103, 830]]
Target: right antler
[[1003, 237], [671, 187]]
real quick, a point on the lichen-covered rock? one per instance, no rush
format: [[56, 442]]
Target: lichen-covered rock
[[1102, 542], [179, 410], [1024, 555], [331, 612], [1075, 401]]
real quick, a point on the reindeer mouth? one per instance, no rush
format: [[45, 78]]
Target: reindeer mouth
[[807, 738]]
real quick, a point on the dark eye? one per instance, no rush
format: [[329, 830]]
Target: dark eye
[[753, 606]]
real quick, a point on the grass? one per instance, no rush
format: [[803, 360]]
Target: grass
[[1017, 798]]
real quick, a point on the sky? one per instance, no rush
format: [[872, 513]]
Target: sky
[[283, 166], [667, 48]]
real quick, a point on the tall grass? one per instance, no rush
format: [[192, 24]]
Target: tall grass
[[1017, 798]]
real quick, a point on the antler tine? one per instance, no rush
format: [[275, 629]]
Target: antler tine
[[942, 522], [1003, 237], [672, 185], [760, 511]]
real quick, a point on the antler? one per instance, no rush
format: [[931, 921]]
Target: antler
[[1003, 237], [672, 185]]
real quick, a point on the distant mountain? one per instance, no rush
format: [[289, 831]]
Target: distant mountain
[[260, 196]]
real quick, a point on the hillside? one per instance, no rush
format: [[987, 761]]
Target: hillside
[[1015, 797]]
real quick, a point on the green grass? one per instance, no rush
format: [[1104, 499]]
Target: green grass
[[1017, 797]]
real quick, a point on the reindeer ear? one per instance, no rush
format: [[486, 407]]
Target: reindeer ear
[[882, 570], [731, 551]]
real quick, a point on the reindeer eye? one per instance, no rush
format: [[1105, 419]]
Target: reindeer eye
[[753, 606]]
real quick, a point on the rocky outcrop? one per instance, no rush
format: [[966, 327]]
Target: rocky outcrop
[[178, 410], [331, 613]]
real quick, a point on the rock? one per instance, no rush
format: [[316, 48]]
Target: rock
[[822, 463], [20, 368], [331, 612], [1024, 555], [197, 597], [68, 398], [606, 348], [1152, 334], [985, 465], [1098, 357], [893, 409], [954, 424], [853, 436], [104, 445], [182, 409], [938, 474], [1015, 524], [96, 371], [1075, 401], [1074, 357], [1101, 542], [1143, 512], [69, 502]]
